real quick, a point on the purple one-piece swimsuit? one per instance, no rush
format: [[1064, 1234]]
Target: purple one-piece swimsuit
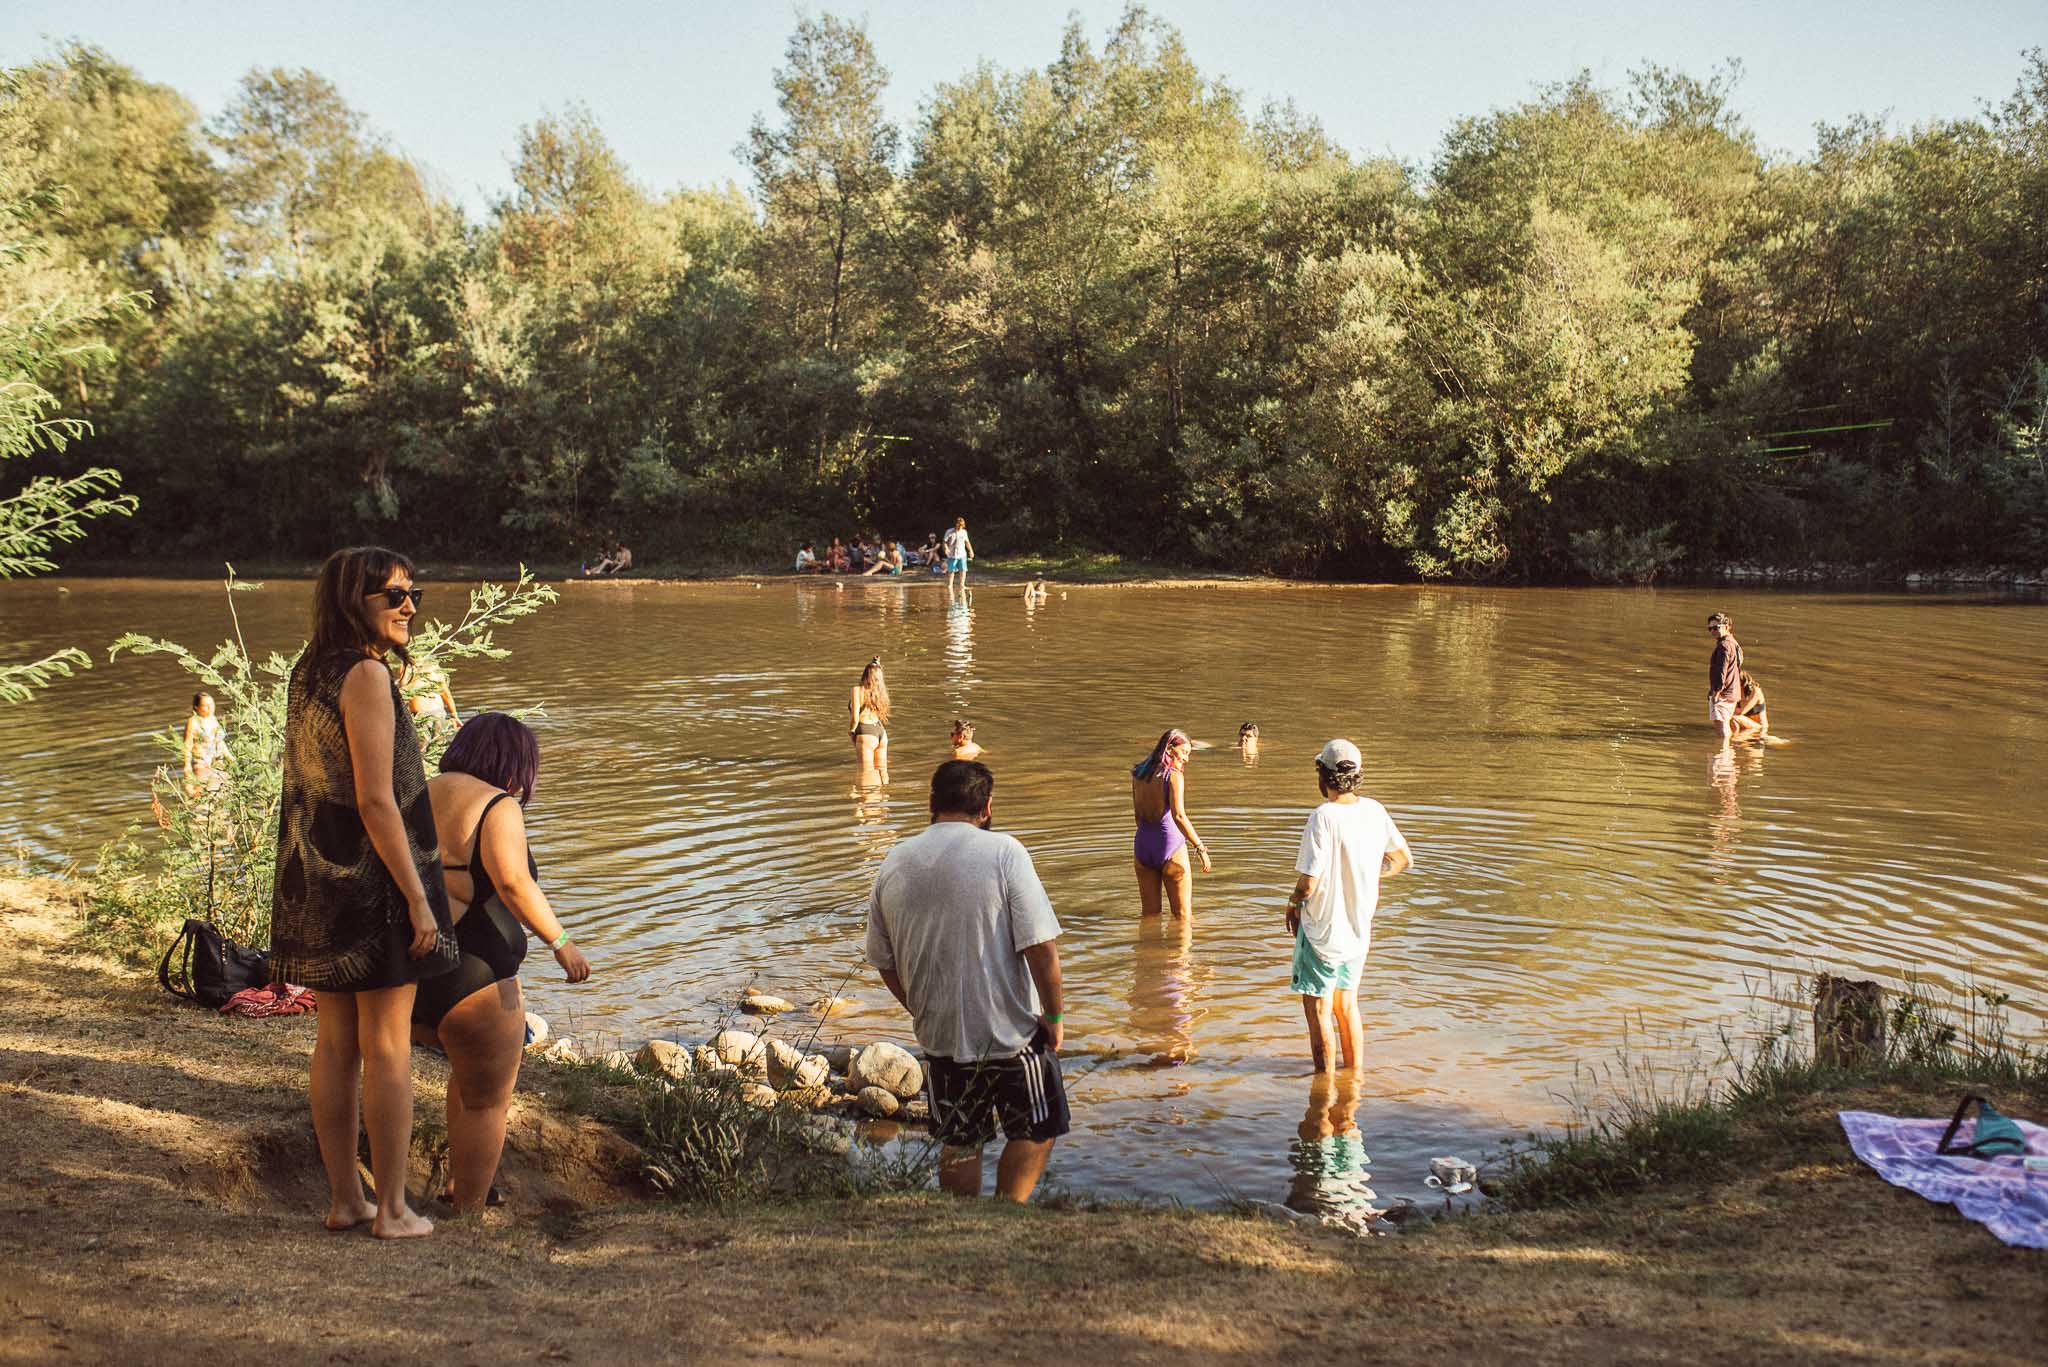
[[1158, 841]]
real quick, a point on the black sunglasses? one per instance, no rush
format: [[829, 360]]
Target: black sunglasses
[[393, 597]]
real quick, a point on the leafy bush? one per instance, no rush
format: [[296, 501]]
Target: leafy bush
[[217, 855], [1618, 556]]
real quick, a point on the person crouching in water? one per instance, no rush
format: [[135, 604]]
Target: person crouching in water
[[1348, 844], [476, 1014], [1752, 719]]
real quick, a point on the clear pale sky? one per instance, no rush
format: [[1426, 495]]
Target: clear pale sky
[[674, 85]]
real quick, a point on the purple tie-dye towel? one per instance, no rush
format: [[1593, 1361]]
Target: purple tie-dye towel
[[1998, 1193]]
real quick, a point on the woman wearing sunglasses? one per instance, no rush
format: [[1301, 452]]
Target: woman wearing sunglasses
[[359, 911]]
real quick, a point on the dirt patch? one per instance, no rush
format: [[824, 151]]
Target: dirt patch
[[164, 1198]]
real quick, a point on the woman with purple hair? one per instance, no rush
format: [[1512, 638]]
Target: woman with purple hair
[[476, 1014], [1164, 832]]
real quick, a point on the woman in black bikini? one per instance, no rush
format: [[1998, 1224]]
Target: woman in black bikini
[[476, 1014], [869, 708]]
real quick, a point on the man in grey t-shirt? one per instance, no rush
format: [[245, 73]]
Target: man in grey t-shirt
[[963, 933]]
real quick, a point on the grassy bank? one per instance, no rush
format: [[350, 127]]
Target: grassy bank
[[165, 1197]]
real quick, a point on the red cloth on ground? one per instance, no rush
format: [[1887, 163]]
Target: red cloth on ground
[[278, 999]]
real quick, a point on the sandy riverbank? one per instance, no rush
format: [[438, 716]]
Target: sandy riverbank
[[165, 1192]]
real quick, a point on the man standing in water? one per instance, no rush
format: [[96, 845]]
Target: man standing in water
[[963, 934], [959, 550], [1348, 845], [1724, 676]]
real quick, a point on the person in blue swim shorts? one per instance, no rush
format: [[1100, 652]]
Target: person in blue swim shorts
[[1347, 846]]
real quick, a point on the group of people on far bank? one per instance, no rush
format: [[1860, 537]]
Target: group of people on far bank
[[948, 555]]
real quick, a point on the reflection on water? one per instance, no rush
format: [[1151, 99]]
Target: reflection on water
[[1163, 993], [1581, 856], [1328, 1154]]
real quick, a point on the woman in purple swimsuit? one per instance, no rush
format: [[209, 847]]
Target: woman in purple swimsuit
[[1164, 831]]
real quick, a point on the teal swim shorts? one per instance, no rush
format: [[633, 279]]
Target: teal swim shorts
[[1316, 977]]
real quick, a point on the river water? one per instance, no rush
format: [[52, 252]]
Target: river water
[[1589, 875]]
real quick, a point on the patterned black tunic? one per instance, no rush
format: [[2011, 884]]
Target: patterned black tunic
[[337, 917]]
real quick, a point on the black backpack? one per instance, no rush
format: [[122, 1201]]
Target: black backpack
[[210, 968]]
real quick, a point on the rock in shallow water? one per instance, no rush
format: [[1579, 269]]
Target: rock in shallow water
[[879, 1102], [762, 1004], [888, 1066]]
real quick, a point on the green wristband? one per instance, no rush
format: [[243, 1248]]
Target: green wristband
[[560, 940], [1054, 1018]]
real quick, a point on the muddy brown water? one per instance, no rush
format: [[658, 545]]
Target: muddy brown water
[[1589, 875]]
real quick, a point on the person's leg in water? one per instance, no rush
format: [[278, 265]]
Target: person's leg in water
[[882, 757], [960, 1170], [335, 1088], [864, 750], [1178, 879], [1148, 888], [1317, 1010], [1350, 1033], [1018, 1170], [483, 1035], [384, 1037]]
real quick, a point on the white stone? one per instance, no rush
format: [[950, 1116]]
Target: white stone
[[831, 1006], [618, 1060], [705, 1059], [539, 1030], [758, 1094], [888, 1066], [761, 1004], [663, 1057], [741, 1049], [789, 1066], [879, 1102]]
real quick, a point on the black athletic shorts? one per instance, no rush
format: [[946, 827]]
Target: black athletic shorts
[[1025, 1094]]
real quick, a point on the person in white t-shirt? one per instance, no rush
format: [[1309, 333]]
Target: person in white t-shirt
[[959, 550], [1348, 845], [966, 940]]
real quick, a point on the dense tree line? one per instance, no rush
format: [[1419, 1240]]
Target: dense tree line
[[1094, 304]]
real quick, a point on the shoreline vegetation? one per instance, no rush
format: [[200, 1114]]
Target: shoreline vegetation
[[1090, 296], [1726, 1223], [1086, 568]]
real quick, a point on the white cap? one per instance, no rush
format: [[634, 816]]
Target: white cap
[[1339, 754]]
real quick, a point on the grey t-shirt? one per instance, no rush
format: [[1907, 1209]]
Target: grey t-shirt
[[953, 909]]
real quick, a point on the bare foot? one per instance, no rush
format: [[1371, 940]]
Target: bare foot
[[340, 1217], [407, 1224]]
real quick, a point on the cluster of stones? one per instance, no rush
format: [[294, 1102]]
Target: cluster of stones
[[881, 1080]]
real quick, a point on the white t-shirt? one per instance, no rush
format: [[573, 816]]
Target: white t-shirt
[[805, 558], [953, 909], [1341, 848], [956, 543]]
